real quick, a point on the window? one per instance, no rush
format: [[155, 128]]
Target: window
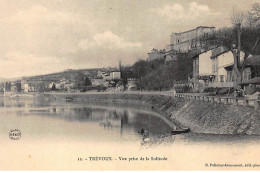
[[221, 78], [229, 76], [247, 74]]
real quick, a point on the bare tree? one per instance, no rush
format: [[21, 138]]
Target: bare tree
[[237, 18], [255, 12], [250, 20]]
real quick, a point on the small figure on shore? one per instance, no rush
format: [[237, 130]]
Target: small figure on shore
[[152, 107], [145, 136]]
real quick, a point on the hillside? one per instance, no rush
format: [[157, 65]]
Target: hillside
[[68, 74]]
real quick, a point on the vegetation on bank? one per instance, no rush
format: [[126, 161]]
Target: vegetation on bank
[[158, 74]]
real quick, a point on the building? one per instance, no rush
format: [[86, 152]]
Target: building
[[29, 87], [16, 86], [13, 86], [220, 59], [191, 39], [109, 75], [251, 74], [7, 86], [2, 86], [210, 69], [115, 75], [131, 84], [251, 86]]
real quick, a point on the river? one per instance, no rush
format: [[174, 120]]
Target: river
[[39, 118], [55, 134]]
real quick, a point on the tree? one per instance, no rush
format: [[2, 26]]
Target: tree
[[250, 39], [53, 87], [139, 68], [254, 13], [87, 82], [244, 36], [237, 17], [159, 75]]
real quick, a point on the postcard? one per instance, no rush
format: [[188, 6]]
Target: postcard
[[96, 85]]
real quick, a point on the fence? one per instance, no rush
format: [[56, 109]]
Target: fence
[[224, 100]]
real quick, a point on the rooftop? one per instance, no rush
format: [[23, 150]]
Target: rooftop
[[252, 61], [194, 29], [255, 80], [219, 51]]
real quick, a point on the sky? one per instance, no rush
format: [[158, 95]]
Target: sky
[[46, 36]]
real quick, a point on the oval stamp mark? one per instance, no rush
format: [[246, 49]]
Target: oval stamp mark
[[15, 134]]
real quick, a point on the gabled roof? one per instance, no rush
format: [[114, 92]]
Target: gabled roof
[[200, 51], [252, 61], [219, 51], [255, 80], [194, 53]]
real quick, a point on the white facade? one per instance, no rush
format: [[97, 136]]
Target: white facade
[[205, 67], [60, 85], [116, 75], [220, 62], [113, 75], [210, 68], [26, 87], [29, 88], [131, 83]]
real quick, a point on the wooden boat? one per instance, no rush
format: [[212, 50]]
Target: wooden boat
[[176, 132], [69, 99]]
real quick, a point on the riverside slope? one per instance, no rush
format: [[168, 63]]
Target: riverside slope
[[199, 116]]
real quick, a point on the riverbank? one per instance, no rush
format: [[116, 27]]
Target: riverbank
[[199, 116]]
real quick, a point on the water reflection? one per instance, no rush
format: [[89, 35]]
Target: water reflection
[[23, 102], [39, 117], [117, 123], [124, 119]]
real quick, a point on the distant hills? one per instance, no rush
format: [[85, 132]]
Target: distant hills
[[9, 79], [67, 74]]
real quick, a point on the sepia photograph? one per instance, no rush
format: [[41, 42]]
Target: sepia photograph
[[128, 85]]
